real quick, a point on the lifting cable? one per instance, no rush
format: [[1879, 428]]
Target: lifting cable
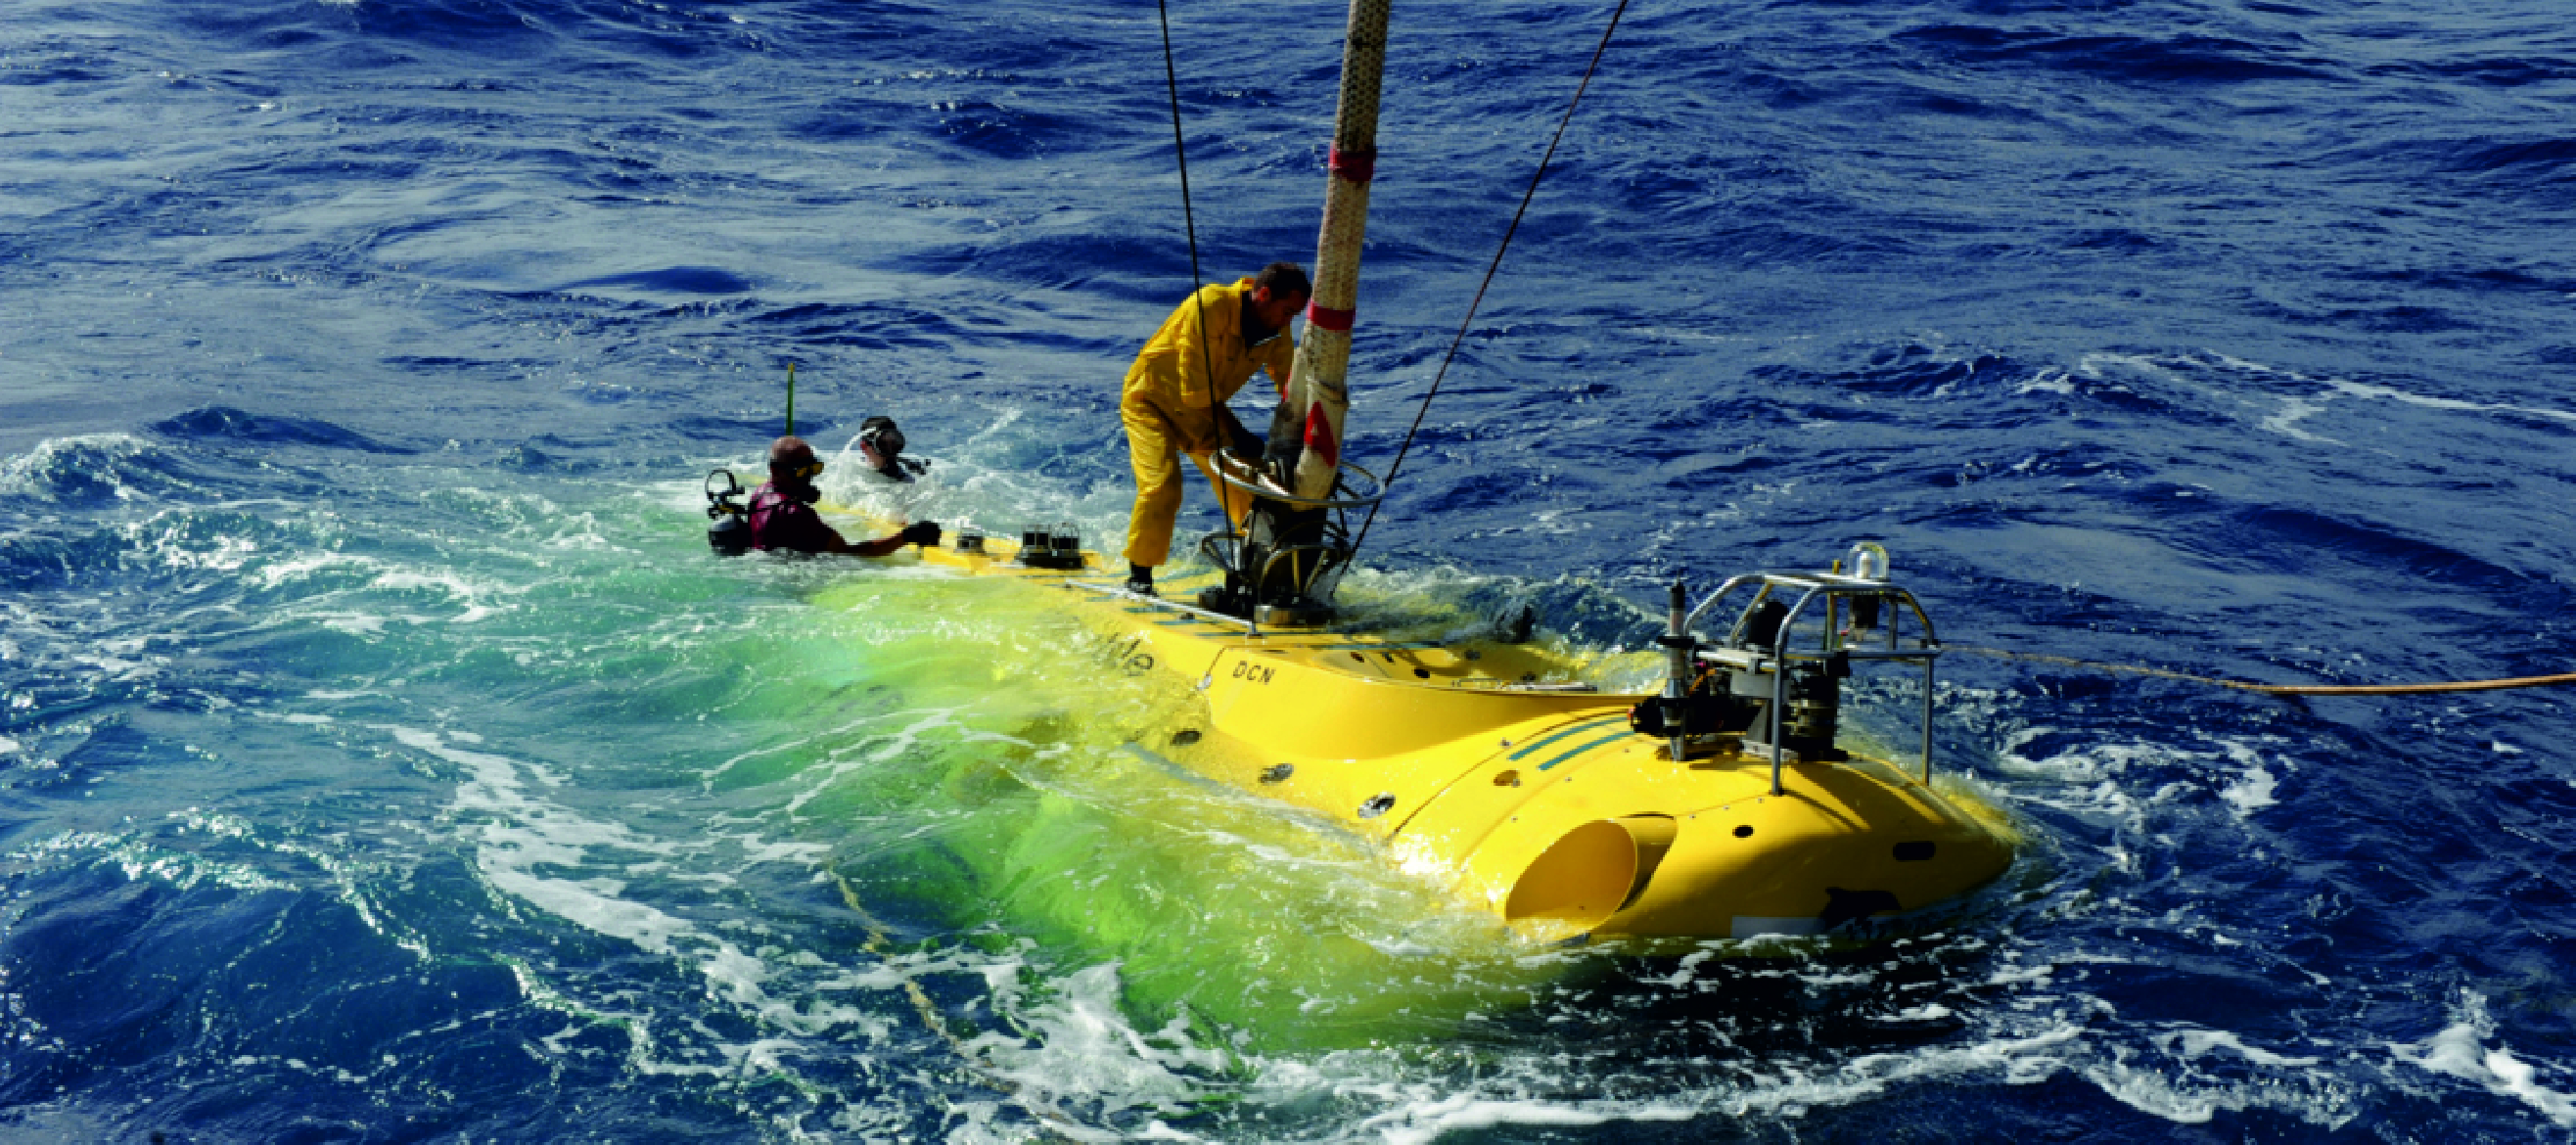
[[1496, 265], [1172, 82], [1181, 158], [1189, 222], [2280, 689]]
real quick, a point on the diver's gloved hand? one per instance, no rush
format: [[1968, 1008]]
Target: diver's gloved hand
[[921, 533]]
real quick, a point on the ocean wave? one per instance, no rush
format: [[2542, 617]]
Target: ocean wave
[[223, 423], [376, 728], [2189, 58]]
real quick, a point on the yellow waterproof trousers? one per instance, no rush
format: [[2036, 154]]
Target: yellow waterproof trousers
[[1154, 450]]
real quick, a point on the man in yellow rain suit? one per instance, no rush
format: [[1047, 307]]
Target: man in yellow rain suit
[[1174, 401]]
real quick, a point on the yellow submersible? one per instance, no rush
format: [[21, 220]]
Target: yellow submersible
[[1729, 805]]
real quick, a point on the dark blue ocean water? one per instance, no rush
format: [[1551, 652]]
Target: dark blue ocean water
[[382, 758]]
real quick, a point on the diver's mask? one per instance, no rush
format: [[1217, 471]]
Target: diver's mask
[[884, 444], [806, 489], [881, 438]]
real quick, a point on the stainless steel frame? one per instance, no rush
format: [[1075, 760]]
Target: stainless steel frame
[[1834, 590]]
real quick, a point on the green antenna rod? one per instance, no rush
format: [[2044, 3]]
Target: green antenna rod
[[791, 399]]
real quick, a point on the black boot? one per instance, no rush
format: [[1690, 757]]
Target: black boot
[[1140, 579]]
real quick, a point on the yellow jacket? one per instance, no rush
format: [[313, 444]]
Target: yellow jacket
[[1184, 383]]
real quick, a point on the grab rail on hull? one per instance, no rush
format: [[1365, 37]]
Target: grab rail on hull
[[1766, 645]]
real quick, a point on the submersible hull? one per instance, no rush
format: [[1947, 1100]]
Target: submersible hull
[[1476, 766]]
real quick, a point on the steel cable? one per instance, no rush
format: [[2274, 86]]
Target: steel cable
[[2279, 689], [1464, 323], [1189, 220]]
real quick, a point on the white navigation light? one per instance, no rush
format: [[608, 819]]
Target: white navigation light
[[1867, 561]]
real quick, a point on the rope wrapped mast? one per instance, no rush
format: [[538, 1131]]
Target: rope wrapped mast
[[1292, 550]]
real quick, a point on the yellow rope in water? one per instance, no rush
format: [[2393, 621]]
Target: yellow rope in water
[[880, 943], [2282, 689]]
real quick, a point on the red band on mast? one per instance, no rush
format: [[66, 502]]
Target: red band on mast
[[1357, 166], [1319, 436], [1324, 317]]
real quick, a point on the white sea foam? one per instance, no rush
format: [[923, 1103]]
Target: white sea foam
[[2293, 411], [2100, 365], [521, 833], [2100, 781], [539, 852], [2459, 1050], [2251, 788], [332, 588], [2369, 391], [140, 857], [2051, 380], [2251, 791], [218, 554], [468, 595], [297, 568], [1084, 1056], [2194, 1042], [759, 850], [2190, 1100], [1518, 1093], [1422, 1123], [850, 754], [2372, 392], [21, 474]]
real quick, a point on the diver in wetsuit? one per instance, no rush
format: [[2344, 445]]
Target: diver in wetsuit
[[881, 445], [783, 516]]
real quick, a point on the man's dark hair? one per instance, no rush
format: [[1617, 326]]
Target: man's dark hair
[[1284, 278]]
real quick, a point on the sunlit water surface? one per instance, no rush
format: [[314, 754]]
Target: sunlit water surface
[[383, 757]]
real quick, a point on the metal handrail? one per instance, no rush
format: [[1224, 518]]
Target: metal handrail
[[1236, 472], [1813, 582], [1251, 628], [1831, 587]]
